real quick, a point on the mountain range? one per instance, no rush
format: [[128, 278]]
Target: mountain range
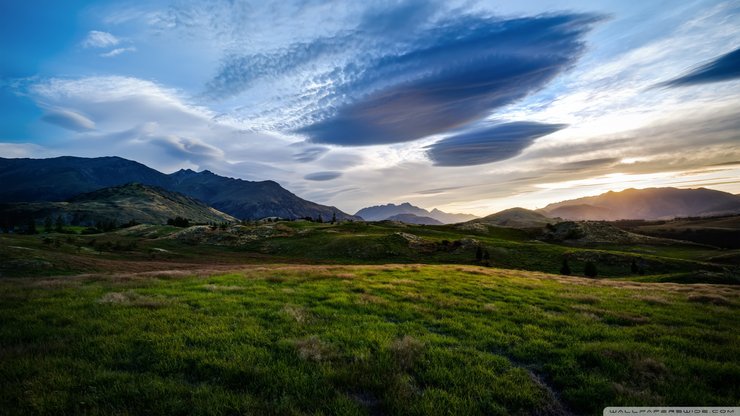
[[384, 212], [120, 204], [61, 178], [646, 204]]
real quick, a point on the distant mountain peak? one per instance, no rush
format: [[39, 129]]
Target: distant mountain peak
[[387, 211]]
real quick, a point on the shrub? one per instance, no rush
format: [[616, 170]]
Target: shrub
[[565, 268], [590, 269]]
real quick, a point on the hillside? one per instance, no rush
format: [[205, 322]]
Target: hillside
[[515, 218], [121, 204], [648, 204], [414, 219], [58, 179], [249, 200], [385, 212], [723, 231]]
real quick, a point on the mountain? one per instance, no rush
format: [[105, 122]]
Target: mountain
[[120, 204], [516, 218], [448, 218], [648, 204], [58, 179], [581, 212], [414, 219], [383, 212], [249, 200]]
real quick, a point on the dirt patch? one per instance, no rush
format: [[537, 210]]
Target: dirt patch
[[313, 349], [406, 350], [297, 313]]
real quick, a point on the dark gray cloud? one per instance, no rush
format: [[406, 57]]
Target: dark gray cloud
[[490, 144], [69, 120], [323, 176], [309, 154], [189, 149], [723, 68], [463, 70]]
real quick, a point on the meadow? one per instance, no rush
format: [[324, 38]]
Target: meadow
[[387, 339], [309, 319]]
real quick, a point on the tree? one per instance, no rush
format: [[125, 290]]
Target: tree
[[634, 268], [59, 224], [47, 225], [590, 269], [320, 219], [31, 227], [565, 268], [333, 217], [486, 258], [479, 254], [179, 222]]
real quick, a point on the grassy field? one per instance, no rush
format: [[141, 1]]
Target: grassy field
[[153, 247], [387, 339], [381, 318]]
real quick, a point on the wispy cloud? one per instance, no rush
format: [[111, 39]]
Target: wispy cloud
[[723, 68], [99, 39], [118, 51]]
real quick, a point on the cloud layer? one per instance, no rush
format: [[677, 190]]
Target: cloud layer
[[465, 69], [723, 68], [490, 144]]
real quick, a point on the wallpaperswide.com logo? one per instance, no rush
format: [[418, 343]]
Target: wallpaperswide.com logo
[[650, 410]]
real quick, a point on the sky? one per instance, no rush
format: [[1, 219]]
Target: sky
[[465, 106]]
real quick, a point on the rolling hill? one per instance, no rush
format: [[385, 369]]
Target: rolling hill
[[58, 179], [515, 218], [384, 212], [121, 204], [647, 204]]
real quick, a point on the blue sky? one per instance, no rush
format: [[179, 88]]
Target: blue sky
[[467, 105]]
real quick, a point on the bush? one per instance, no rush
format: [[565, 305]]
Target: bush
[[590, 269], [179, 222], [565, 268]]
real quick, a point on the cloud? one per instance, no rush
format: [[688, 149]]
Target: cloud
[[69, 120], [322, 176], [118, 51], [99, 39], [459, 73], [310, 153], [490, 144], [188, 149], [722, 68], [13, 150]]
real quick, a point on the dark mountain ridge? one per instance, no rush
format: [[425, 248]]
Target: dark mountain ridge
[[647, 204], [61, 178]]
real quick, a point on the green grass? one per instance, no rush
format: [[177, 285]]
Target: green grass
[[354, 243], [395, 339]]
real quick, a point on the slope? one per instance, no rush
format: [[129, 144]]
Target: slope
[[121, 204], [650, 204]]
